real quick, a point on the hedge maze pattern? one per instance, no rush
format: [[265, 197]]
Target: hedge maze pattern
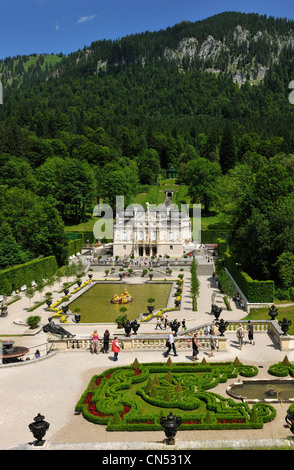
[[134, 398]]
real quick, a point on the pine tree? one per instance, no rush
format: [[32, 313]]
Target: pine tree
[[210, 150], [227, 153]]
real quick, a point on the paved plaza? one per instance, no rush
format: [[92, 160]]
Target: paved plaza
[[52, 385]]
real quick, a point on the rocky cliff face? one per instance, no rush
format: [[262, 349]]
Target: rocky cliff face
[[246, 56]]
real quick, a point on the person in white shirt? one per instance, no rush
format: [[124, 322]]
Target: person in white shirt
[[171, 341]]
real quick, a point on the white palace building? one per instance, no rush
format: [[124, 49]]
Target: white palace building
[[155, 231]]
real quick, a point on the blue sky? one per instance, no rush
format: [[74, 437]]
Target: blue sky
[[45, 26]]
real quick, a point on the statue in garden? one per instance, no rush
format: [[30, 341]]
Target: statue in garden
[[51, 327], [124, 298]]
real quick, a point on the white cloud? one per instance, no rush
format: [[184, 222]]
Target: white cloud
[[84, 19], [57, 27]]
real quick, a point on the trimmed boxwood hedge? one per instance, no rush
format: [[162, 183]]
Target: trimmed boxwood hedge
[[109, 398], [254, 291], [282, 369], [24, 274], [222, 247]]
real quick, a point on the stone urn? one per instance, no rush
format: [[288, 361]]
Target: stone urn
[[135, 326], [170, 426], [128, 327], [222, 326], [39, 428], [285, 324], [273, 312]]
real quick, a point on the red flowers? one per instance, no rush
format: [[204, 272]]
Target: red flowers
[[126, 410], [93, 410], [142, 422], [195, 421], [92, 407], [230, 421]]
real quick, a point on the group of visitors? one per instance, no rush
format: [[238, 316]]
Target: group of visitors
[[163, 323], [208, 332], [115, 346], [95, 342], [170, 343], [241, 334], [195, 346]]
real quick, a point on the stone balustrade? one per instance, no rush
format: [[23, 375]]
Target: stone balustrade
[[147, 342], [157, 342]]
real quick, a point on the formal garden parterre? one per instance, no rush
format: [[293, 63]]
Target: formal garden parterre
[[135, 397]]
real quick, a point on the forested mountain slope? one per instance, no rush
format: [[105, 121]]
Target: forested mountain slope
[[210, 98]]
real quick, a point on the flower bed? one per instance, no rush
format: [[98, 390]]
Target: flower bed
[[134, 398]]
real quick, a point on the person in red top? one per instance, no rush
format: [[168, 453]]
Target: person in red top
[[115, 348]]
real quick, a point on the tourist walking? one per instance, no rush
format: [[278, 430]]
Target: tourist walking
[[166, 322], [158, 324], [95, 342], [212, 344], [115, 348], [184, 324], [106, 337], [250, 332], [171, 344], [195, 348], [240, 335]]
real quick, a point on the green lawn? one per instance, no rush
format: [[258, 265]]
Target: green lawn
[[83, 227], [262, 314]]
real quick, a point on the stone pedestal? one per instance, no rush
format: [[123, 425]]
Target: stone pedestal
[[222, 343]]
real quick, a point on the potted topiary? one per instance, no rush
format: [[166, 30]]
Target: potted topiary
[[150, 307], [122, 318], [33, 321]]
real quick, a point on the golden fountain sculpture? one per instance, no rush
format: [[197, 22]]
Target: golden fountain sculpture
[[124, 298]]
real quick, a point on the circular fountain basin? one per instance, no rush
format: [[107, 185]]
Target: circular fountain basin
[[263, 390]]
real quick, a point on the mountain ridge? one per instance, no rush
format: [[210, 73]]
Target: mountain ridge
[[245, 45]]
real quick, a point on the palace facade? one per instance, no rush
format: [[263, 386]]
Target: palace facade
[[154, 231]]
